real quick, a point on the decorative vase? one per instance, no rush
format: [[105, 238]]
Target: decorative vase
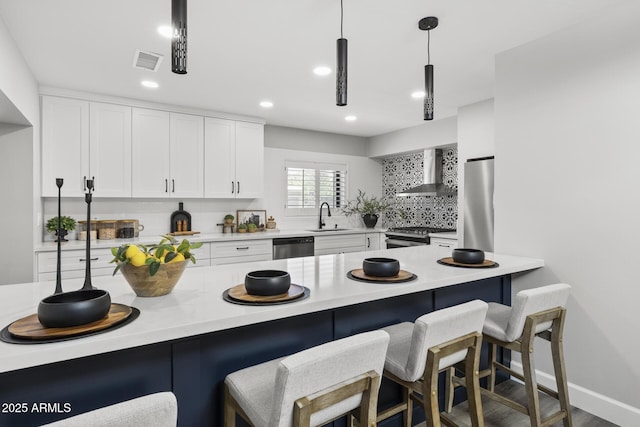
[[61, 238], [370, 220]]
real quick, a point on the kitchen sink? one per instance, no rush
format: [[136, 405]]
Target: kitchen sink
[[328, 229]]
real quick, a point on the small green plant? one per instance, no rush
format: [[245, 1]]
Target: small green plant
[[251, 226], [66, 223], [364, 205], [229, 217], [243, 226], [165, 252]]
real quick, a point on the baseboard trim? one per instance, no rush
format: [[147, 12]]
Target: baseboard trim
[[590, 401]]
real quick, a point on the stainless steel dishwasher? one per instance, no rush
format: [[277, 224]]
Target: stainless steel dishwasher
[[292, 247]]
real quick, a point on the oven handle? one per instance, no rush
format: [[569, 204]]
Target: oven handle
[[404, 242]]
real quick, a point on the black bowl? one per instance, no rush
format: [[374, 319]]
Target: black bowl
[[468, 256], [74, 308], [381, 267], [267, 282]]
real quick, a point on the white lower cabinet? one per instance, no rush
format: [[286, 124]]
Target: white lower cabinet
[[327, 245], [73, 264], [202, 255], [241, 251], [444, 243], [373, 241]]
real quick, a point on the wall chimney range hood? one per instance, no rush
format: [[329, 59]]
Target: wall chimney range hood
[[433, 185]]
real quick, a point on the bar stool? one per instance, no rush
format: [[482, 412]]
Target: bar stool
[[312, 387], [153, 410], [537, 312], [419, 351]]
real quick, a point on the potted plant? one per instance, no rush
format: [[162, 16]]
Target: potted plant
[[228, 219], [369, 208], [66, 224], [242, 228], [252, 228]]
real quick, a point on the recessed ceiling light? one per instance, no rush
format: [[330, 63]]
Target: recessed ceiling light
[[419, 94], [322, 70], [266, 104], [149, 83], [165, 31], [351, 118]]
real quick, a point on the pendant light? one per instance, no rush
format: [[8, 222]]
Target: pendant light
[[341, 69], [179, 39], [427, 24]]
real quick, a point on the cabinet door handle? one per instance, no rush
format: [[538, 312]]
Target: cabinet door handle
[[173, 185], [166, 185], [238, 187], [233, 188], [90, 259], [93, 178], [368, 242], [84, 183], [244, 248], [443, 246]]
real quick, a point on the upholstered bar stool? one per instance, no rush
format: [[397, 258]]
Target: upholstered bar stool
[[312, 387], [153, 410], [419, 351], [537, 312]]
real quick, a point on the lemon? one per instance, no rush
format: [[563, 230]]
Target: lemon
[[177, 258], [132, 251], [138, 259]]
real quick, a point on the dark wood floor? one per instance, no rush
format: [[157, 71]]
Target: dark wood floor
[[498, 415]]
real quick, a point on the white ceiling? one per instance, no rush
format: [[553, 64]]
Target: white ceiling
[[241, 52]]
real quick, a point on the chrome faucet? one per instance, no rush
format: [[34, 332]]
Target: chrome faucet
[[320, 221]]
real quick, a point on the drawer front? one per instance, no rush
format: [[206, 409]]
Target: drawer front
[[337, 242], [241, 248], [444, 243], [74, 260], [239, 259], [75, 274], [333, 251]]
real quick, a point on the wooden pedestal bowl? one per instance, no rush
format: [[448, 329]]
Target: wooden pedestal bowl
[[161, 283]]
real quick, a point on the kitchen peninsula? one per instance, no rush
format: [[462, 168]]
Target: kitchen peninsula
[[189, 340]]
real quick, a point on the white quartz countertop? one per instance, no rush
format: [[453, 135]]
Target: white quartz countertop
[[212, 237], [196, 306]]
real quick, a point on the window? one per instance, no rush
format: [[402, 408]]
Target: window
[[310, 184]]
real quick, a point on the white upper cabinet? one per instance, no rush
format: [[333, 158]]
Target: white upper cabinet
[[187, 150], [167, 154], [110, 149], [65, 145], [234, 159], [150, 153], [85, 140]]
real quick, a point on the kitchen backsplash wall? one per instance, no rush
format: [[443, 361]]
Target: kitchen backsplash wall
[[402, 172]]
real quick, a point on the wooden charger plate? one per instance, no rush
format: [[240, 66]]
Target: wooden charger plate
[[30, 327], [238, 294], [487, 263], [403, 276]]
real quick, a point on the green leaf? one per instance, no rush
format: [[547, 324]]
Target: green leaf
[[153, 268], [196, 245], [115, 270], [169, 256]]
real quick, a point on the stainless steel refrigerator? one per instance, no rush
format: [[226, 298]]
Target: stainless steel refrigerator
[[478, 204]]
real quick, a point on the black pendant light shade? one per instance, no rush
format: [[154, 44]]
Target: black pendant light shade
[[179, 38], [341, 73], [427, 24], [428, 92]]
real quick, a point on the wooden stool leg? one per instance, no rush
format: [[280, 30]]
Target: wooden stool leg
[[229, 411], [472, 384], [449, 390], [493, 348], [557, 353], [408, 412], [531, 386]]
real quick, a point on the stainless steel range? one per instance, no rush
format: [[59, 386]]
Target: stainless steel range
[[402, 237]]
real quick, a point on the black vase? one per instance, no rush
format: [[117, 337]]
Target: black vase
[[370, 220], [61, 238]]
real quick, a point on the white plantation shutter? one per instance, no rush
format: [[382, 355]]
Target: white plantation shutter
[[309, 184]]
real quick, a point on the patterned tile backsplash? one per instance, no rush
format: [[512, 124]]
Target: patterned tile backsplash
[[402, 172]]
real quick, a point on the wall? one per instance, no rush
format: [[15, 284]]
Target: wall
[[567, 140], [20, 150], [402, 172], [308, 140], [154, 214], [16, 252], [427, 135], [476, 138]]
